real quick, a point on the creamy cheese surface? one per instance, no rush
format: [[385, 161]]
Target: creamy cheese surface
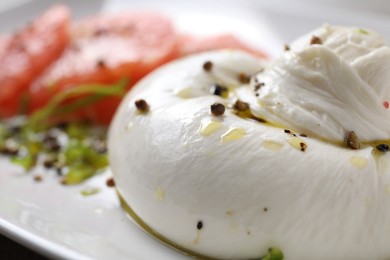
[[232, 186], [328, 89]]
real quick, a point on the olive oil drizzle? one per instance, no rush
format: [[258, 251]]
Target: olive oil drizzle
[[272, 254], [157, 235]]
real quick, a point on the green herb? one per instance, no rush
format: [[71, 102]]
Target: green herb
[[273, 254], [91, 92], [83, 162], [362, 31], [29, 138], [27, 161], [23, 104], [90, 191]]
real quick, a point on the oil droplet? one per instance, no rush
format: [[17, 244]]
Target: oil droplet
[[272, 145], [359, 162], [99, 210], [209, 126], [210, 153], [383, 165], [229, 212], [233, 133], [197, 238], [159, 194], [297, 143], [233, 224], [183, 92], [129, 126], [368, 201]]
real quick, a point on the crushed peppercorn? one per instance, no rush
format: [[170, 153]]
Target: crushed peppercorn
[[259, 85], [303, 146], [38, 178], [199, 225], [207, 66], [241, 106], [50, 162], [51, 143], [110, 182], [60, 171], [217, 109], [286, 47], [10, 148], [244, 78], [219, 90], [352, 140], [315, 40], [141, 105], [382, 147]]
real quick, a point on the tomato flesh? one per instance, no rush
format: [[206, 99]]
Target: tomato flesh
[[105, 49], [26, 54]]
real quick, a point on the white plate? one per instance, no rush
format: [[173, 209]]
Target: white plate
[[59, 222]]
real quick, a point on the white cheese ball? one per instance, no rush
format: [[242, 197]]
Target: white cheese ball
[[231, 187]]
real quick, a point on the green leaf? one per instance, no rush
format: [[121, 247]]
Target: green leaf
[[24, 101], [27, 162], [91, 92], [78, 173], [362, 31], [89, 191], [273, 254]]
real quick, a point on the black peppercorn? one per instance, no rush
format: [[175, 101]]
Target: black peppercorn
[[217, 109]]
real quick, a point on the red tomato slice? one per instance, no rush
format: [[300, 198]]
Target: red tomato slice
[[4, 42], [190, 44], [104, 49], [25, 55]]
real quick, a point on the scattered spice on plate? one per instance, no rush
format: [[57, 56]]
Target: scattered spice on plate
[[9, 148], [51, 143], [50, 161], [38, 178], [74, 159], [110, 182]]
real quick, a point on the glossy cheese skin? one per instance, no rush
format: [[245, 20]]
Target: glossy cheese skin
[[252, 185]]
